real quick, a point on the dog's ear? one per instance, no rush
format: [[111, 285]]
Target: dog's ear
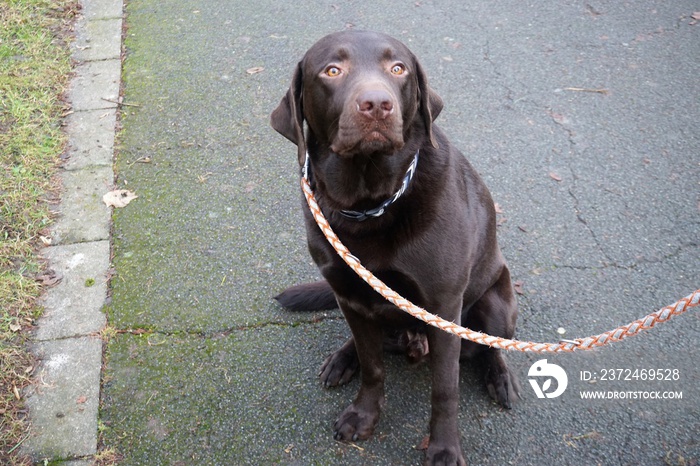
[[430, 103], [288, 118]]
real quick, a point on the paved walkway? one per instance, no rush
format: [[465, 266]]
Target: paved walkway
[[582, 120]]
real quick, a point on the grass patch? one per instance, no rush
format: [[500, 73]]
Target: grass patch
[[35, 67]]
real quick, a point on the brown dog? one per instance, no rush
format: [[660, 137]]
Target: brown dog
[[413, 210]]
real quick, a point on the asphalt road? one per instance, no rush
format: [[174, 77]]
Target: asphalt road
[[582, 119]]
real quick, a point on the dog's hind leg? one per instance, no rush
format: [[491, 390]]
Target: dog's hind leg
[[495, 314], [340, 367]]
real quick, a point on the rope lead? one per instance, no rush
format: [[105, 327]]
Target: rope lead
[[564, 346]]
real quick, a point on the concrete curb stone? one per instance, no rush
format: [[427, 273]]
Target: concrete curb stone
[[82, 205], [102, 77], [73, 306], [98, 39], [63, 403], [91, 138]]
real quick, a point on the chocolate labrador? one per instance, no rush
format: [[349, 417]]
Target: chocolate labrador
[[413, 210]]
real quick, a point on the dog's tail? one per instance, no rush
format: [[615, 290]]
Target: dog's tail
[[311, 297]]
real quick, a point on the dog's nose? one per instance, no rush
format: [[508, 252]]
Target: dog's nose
[[375, 104]]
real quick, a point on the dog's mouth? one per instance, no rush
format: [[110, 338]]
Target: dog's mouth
[[376, 136], [352, 141]]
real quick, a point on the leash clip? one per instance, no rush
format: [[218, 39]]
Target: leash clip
[[571, 342]]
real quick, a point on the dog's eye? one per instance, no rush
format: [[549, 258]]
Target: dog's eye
[[398, 69], [333, 71]]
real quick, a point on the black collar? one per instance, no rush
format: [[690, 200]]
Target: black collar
[[377, 211]]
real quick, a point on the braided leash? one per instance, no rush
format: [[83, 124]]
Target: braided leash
[[565, 346]]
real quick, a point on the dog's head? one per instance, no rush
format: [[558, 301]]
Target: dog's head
[[359, 93]]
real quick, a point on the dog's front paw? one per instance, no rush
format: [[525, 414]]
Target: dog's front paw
[[444, 456], [339, 367], [355, 423]]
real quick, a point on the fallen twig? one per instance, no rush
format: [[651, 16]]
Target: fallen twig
[[123, 104], [583, 89]]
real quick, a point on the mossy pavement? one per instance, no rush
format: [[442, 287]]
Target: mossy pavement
[[599, 222]]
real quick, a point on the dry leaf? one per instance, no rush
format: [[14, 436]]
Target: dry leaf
[[559, 118], [497, 206], [48, 278], [554, 176], [15, 327], [696, 15], [424, 443], [255, 70], [518, 287], [118, 198], [81, 399]]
